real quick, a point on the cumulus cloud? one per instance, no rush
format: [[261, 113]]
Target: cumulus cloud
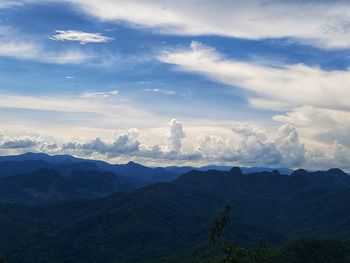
[[49, 147], [246, 130], [79, 36], [288, 144], [323, 24], [174, 136], [214, 146], [120, 146], [326, 125], [334, 156], [252, 149], [129, 145], [19, 144]]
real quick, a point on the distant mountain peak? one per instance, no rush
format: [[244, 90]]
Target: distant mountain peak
[[132, 163], [275, 171], [236, 171], [331, 172], [34, 154], [300, 172], [336, 172]]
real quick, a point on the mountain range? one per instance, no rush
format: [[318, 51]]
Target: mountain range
[[163, 218], [39, 178]]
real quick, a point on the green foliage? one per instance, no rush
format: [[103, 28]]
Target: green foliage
[[232, 253], [219, 224], [170, 220], [313, 251], [2, 259], [259, 253]]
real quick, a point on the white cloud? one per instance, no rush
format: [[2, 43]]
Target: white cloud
[[322, 119], [98, 95], [254, 152], [64, 57], [19, 144], [245, 130], [10, 3], [121, 145], [324, 23], [289, 145], [161, 91], [17, 49], [319, 125], [335, 156], [252, 149], [28, 50], [317, 99], [129, 145], [213, 147], [287, 86], [73, 116], [18, 45], [79, 36], [174, 136]]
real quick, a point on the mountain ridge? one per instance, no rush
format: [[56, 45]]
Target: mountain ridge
[[154, 220]]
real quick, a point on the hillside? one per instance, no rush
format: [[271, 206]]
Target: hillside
[[65, 164], [162, 218], [49, 186]]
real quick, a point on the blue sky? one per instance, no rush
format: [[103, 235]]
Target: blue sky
[[177, 82]]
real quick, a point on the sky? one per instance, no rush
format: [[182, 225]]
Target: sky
[[196, 82]]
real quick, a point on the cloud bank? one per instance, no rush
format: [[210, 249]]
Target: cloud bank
[[252, 149]]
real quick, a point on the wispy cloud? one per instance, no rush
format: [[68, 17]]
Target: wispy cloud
[[283, 87], [74, 115], [79, 36], [33, 51], [161, 91], [18, 45], [99, 95], [311, 98], [10, 3], [323, 24]]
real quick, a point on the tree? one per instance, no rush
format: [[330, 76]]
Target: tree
[[233, 253], [219, 224], [260, 253]]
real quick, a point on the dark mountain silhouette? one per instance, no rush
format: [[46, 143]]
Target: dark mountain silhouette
[[9, 168], [135, 170], [65, 164], [245, 170], [49, 186], [30, 162], [159, 219]]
